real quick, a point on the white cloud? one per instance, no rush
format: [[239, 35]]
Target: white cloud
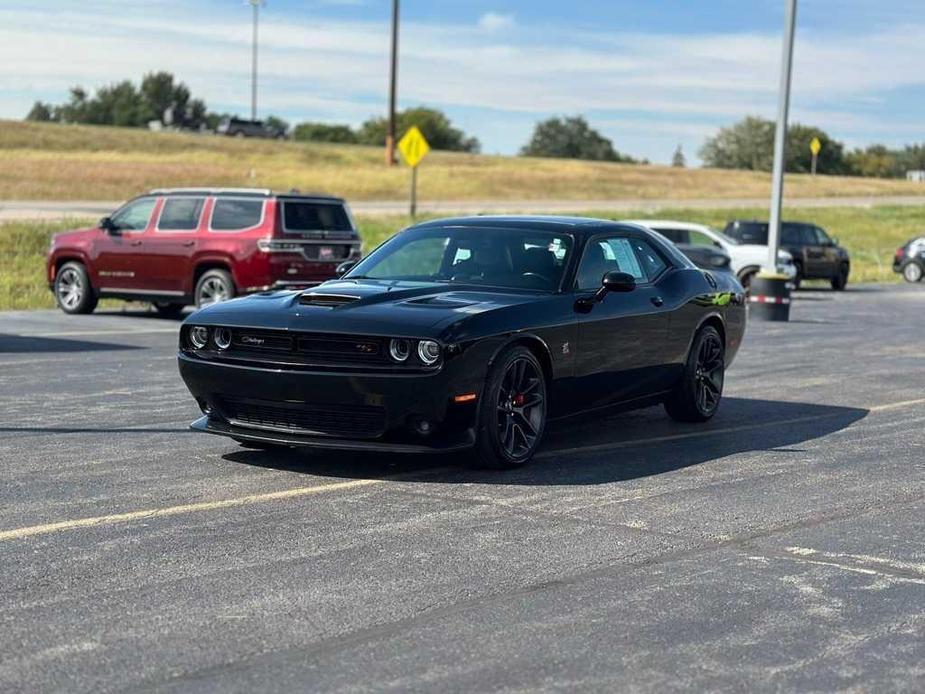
[[494, 21]]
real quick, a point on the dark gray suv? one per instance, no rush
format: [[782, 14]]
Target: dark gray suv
[[816, 255]]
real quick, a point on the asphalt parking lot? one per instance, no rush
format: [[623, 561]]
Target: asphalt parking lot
[[778, 547]]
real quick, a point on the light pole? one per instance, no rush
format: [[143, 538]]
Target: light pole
[[393, 85], [780, 137], [256, 5]]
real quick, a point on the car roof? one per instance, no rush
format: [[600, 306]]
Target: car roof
[[663, 223], [244, 192], [582, 225]]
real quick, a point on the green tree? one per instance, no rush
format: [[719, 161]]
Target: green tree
[[324, 132], [436, 126], [41, 112], [160, 93], [749, 144], [571, 138], [677, 159], [875, 161]]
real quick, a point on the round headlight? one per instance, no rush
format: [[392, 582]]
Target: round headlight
[[223, 338], [428, 351], [400, 350], [198, 336]]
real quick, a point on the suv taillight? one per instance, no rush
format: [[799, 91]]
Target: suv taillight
[[900, 253], [274, 246]]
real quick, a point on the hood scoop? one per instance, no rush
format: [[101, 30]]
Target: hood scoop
[[327, 300], [441, 302]]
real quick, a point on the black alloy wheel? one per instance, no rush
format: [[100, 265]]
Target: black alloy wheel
[[512, 416], [698, 395]]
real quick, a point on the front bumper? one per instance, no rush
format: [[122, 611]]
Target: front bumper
[[337, 410]]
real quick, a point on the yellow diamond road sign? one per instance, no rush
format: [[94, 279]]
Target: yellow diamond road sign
[[815, 146], [413, 146]]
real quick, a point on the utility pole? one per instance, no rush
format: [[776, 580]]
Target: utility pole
[[393, 85], [780, 137], [256, 5]]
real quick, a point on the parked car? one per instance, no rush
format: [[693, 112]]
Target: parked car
[[910, 260], [816, 255], [469, 334], [198, 246], [746, 259], [239, 127]]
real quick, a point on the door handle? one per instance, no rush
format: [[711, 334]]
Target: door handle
[[189, 243], [658, 301], [135, 243]]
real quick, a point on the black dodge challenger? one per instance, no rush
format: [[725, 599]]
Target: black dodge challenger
[[468, 334]]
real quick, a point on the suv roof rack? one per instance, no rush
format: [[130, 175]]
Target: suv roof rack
[[262, 192]]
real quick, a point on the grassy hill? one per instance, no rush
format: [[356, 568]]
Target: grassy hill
[[69, 162]]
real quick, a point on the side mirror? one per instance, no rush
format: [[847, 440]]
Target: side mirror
[[109, 226], [345, 267], [615, 281]]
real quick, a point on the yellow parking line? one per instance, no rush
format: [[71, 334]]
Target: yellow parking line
[[113, 519], [897, 405]]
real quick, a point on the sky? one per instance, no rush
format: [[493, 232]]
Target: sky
[[649, 74]]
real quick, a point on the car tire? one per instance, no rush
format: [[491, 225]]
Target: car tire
[[840, 281], [697, 396], [913, 272], [168, 310], [746, 277], [213, 287], [512, 412], [73, 291], [797, 278]]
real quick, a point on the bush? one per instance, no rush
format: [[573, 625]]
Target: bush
[[324, 132], [571, 138]]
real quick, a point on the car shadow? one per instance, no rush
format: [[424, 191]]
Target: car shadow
[[616, 448], [17, 344]]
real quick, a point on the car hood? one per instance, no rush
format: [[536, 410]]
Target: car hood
[[363, 307], [74, 235]]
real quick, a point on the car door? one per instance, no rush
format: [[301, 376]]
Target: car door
[[829, 249], [791, 239], [118, 253], [814, 252], [622, 351], [172, 245]]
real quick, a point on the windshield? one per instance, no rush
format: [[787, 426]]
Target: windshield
[[513, 258]]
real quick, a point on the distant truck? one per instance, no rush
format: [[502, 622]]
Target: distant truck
[[239, 127], [197, 246]]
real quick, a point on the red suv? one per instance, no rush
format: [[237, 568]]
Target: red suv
[[190, 246]]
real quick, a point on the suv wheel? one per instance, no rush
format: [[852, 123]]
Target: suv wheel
[[512, 414], [840, 281], [214, 286], [912, 271], [697, 396], [73, 291]]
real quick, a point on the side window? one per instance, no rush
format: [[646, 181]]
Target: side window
[[236, 214], [698, 238], [790, 235], [608, 255], [822, 238], [180, 214], [134, 216], [808, 236], [676, 235], [652, 263]]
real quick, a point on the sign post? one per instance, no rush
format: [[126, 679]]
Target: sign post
[[815, 147], [414, 147]]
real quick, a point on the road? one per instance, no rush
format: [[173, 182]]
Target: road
[[777, 548], [54, 210]]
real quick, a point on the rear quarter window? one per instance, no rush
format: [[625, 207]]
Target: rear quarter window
[[236, 215]]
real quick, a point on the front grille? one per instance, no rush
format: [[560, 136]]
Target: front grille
[[316, 348], [311, 419]]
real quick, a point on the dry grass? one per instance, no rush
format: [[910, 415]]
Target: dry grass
[[63, 162]]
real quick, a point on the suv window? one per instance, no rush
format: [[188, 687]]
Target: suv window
[[748, 232], [822, 238], [790, 235], [230, 214], [301, 216], [134, 216], [180, 214]]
